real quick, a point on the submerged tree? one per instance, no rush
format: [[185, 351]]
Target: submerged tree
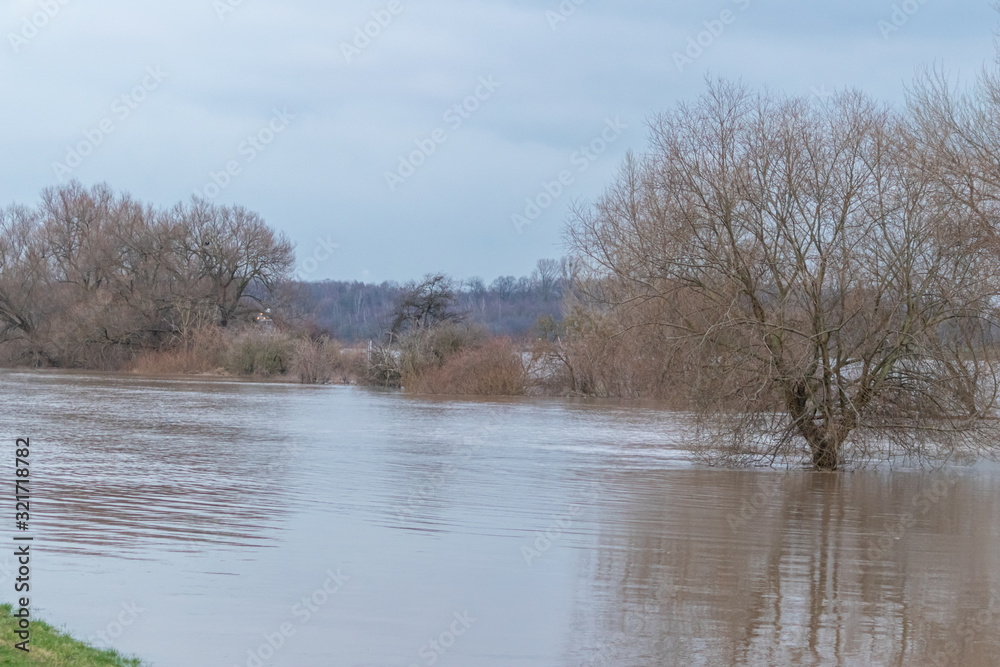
[[815, 271]]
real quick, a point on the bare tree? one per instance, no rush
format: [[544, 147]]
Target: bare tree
[[962, 131], [504, 287], [24, 277], [546, 276], [476, 286], [425, 304], [111, 260], [823, 285], [233, 249], [74, 219]]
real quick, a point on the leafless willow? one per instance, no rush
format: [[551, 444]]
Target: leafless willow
[[825, 277]]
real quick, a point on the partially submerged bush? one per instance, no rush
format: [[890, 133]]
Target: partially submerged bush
[[262, 354], [490, 368], [316, 361], [254, 352], [203, 352], [449, 358], [383, 367], [611, 354], [428, 348]]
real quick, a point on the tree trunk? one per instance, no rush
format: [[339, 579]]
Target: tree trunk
[[826, 453], [823, 441]]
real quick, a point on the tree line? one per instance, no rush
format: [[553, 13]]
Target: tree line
[[507, 306], [91, 276]]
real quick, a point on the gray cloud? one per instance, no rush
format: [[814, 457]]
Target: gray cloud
[[325, 175]]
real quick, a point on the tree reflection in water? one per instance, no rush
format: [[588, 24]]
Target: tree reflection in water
[[673, 582]]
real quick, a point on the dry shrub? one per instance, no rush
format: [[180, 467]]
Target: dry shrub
[[354, 366], [322, 361], [594, 352], [491, 368], [383, 368], [430, 347], [202, 352], [424, 349], [20, 353], [449, 358], [259, 353]]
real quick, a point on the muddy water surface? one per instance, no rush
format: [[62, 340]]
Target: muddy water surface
[[226, 523]]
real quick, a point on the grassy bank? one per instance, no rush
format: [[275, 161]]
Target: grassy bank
[[53, 648]]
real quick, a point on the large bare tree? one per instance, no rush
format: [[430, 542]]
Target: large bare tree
[[25, 273], [233, 250], [814, 269]]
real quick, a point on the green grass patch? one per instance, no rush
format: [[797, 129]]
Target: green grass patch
[[52, 648]]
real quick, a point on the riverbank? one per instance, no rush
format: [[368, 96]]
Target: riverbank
[[52, 648]]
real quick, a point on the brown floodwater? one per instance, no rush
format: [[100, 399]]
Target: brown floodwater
[[213, 522]]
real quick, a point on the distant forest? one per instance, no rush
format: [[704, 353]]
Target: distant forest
[[507, 306]]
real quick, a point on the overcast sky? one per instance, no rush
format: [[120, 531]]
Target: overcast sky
[[304, 118]]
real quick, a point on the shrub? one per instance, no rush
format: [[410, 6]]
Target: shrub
[[383, 368], [202, 352], [421, 350], [317, 361], [261, 354], [450, 358], [593, 352], [490, 368]]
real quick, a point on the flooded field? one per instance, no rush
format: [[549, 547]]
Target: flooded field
[[225, 523]]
